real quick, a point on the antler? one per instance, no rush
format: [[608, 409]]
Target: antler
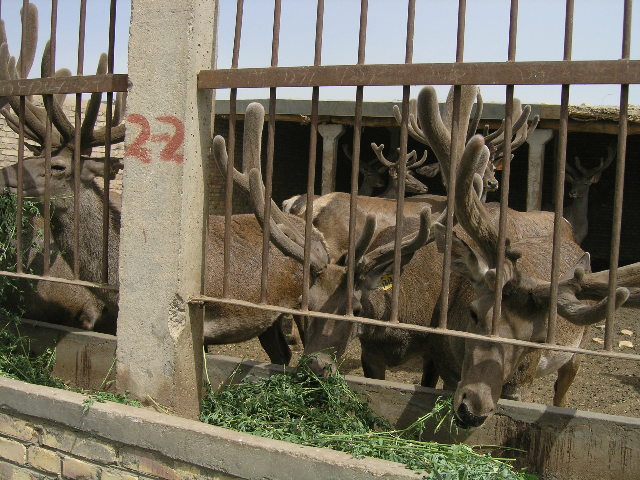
[[253, 124], [36, 117], [595, 171]]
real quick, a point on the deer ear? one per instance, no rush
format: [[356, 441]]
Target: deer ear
[[464, 260], [382, 275]]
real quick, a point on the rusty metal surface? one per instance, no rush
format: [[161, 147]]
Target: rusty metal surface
[[79, 84], [484, 73]]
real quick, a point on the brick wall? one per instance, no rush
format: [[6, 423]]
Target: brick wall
[[42, 450]]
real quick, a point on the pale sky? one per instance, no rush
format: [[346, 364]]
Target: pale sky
[[597, 36]]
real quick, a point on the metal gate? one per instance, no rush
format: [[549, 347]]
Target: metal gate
[[509, 73]]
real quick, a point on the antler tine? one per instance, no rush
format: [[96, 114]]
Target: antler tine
[[7, 72], [470, 211], [473, 126], [378, 150], [32, 39], [603, 164], [417, 163], [410, 243], [412, 125], [435, 126], [58, 117], [93, 107], [119, 108], [285, 244]]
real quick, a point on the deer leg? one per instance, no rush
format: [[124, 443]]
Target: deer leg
[[297, 330], [566, 375], [274, 342], [429, 373], [371, 367]]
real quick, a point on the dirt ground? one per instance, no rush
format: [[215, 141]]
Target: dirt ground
[[603, 385]]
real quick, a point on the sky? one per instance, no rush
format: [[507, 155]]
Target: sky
[[597, 36]]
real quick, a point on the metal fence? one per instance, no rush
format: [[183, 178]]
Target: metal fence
[[15, 92], [509, 73]]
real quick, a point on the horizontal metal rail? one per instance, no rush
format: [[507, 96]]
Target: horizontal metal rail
[[408, 326], [481, 73], [77, 84], [81, 283]]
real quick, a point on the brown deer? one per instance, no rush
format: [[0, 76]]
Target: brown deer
[[581, 179], [479, 371], [412, 184], [371, 174]]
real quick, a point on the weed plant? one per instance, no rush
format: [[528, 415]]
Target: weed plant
[[299, 407]]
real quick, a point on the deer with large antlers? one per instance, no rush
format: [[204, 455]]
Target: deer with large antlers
[[481, 371], [412, 184], [95, 308], [581, 179]]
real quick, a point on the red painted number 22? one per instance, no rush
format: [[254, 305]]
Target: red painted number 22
[[172, 143]]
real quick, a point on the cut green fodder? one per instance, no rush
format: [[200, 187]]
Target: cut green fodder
[[300, 408]]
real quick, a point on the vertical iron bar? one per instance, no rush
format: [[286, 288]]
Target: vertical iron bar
[[506, 172], [48, 99], [21, 115], [77, 146], [402, 170], [619, 185], [451, 181], [228, 196], [311, 175], [270, 147], [560, 174], [107, 149], [355, 167]]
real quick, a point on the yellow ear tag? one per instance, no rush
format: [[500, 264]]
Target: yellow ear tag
[[386, 282]]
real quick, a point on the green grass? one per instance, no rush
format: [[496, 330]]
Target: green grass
[[299, 407]]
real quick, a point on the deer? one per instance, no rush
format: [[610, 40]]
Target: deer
[[481, 372], [581, 179], [371, 174], [72, 305], [412, 184]]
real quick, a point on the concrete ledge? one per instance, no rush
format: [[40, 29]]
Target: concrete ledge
[[214, 448], [555, 443]]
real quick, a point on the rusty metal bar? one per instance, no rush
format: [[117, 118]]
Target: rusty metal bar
[[313, 139], [21, 115], [561, 159], [231, 147], [107, 148], [48, 101], [201, 300], [506, 172], [275, 43], [453, 166], [402, 169], [483, 73], [81, 283], [77, 138], [619, 184], [355, 162], [77, 84]]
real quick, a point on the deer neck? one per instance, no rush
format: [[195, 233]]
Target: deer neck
[[90, 235]]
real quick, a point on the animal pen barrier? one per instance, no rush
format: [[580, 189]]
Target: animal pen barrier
[[361, 75]]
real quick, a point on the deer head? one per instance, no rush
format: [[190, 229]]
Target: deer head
[[412, 184], [371, 172], [525, 298], [581, 179]]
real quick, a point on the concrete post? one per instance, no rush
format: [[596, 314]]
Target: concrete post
[[330, 134], [168, 140], [536, 140]]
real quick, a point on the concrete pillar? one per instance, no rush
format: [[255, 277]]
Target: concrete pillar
[[330, 134], [536, 140], [167, 143]]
